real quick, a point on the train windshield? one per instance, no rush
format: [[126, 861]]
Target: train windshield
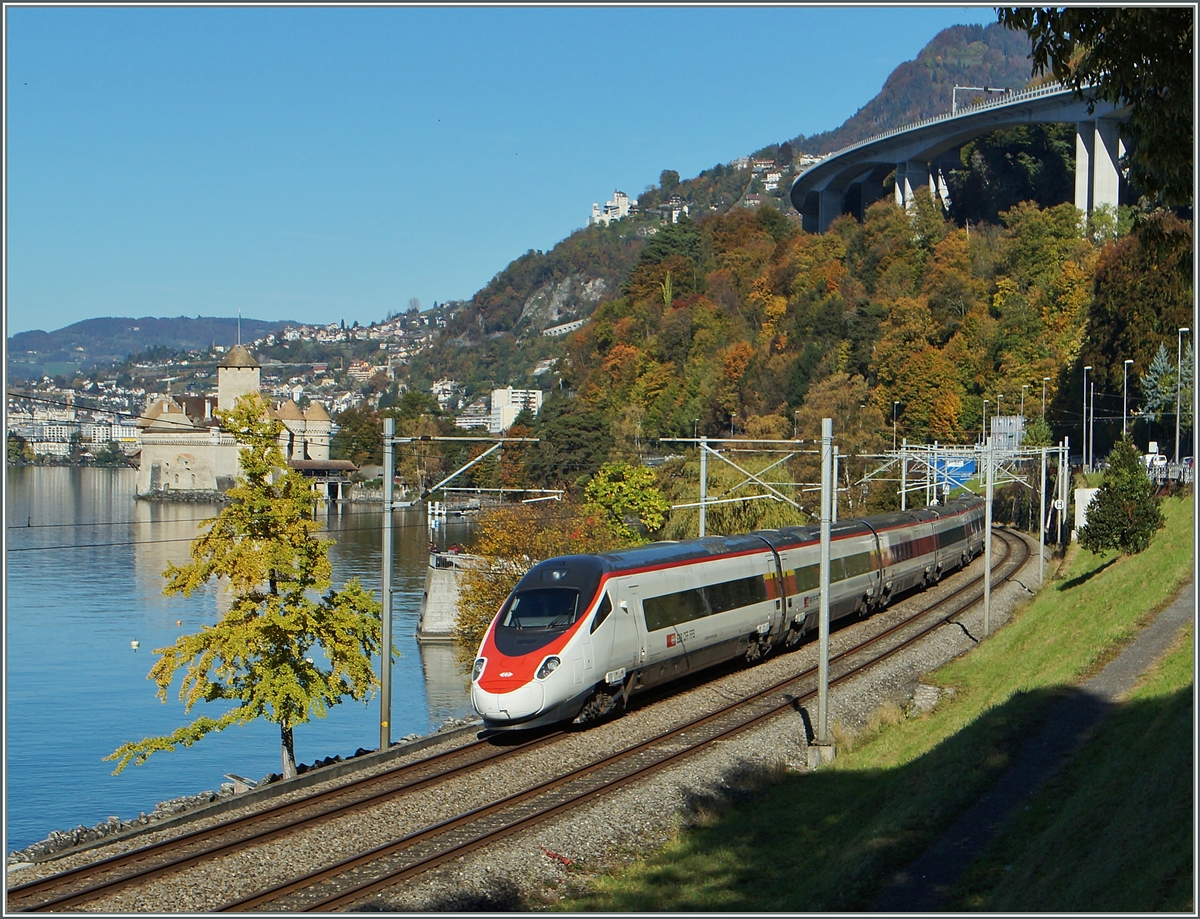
[[547, 608]]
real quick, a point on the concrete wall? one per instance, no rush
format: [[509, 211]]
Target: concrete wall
[[439, 606]]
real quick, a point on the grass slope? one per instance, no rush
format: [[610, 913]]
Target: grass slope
[[827, 841]]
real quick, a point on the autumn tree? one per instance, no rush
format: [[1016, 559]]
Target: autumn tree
[[1124, 514], [289, 646]]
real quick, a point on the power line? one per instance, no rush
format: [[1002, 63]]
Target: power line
[[149, 542]]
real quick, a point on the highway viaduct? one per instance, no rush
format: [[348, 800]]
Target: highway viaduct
[[921, 154]]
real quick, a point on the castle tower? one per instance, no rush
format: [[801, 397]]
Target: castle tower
[[318, 430], [291, 438], [237, 374]]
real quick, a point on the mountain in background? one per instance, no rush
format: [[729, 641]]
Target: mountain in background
[[991, 56], [111, 340]]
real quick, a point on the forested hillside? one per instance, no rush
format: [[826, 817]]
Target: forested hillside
[[743, 324]]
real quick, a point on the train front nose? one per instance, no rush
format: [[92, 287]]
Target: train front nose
[[519, 704]]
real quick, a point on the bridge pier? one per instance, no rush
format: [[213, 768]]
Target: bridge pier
[[912, 175], [829, 206], [1098, 150]]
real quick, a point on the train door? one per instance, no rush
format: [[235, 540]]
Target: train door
[[628, 635]]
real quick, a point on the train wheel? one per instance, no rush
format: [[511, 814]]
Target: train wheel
[[600, 705], [793, 637]]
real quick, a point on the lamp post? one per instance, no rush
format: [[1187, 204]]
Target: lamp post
[[1178, 388], [1085, 418], [1125, 399], [895, 405], [1045, 380], [1092, 421], [985, 405], [999, 412]]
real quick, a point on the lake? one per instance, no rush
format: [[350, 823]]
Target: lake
[[83, 579]]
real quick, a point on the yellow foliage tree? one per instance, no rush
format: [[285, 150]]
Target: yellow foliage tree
[[260, 654]]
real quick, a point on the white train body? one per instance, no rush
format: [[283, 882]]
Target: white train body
[[580, 634]]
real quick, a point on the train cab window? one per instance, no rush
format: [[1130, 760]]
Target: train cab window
[[548, 608], [602, 612]]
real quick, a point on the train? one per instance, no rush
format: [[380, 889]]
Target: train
[[580, 634]]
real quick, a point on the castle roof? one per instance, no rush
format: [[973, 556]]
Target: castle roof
[[165, 415], [289, 411], [238, 356], [316, 412]]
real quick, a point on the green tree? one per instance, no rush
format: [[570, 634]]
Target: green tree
[[1136, 55], [1037, 434], [76, 448], [110, 454], [621, 491], [20, 453], [1124, 515], [263, 653], [359, 437], [1164, 384]]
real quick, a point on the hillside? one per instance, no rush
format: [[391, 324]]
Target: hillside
[[111, 340]]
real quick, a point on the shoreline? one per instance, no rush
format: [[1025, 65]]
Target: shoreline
[[188, 807]]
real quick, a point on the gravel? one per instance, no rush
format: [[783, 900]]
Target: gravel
[[533, 869]]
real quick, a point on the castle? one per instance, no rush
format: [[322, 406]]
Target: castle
[[185, 454]]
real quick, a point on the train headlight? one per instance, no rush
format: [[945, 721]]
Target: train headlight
[[478, 671], [549, 665]]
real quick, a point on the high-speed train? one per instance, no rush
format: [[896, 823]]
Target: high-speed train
[[580, 634]]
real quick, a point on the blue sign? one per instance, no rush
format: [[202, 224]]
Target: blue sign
[[958, 470]]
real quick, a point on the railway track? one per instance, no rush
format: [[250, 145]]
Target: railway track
[[341, 884], [87, 882]]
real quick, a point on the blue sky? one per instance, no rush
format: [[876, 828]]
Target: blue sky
[[321, 163]]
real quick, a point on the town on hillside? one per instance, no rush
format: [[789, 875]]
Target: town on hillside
[[159, 415]]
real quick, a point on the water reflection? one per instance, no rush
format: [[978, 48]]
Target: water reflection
[[83, 579]]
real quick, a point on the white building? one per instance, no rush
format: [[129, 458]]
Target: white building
[[475, 416], [446, 392], [673, 208], [508, 403], [618, 208]]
